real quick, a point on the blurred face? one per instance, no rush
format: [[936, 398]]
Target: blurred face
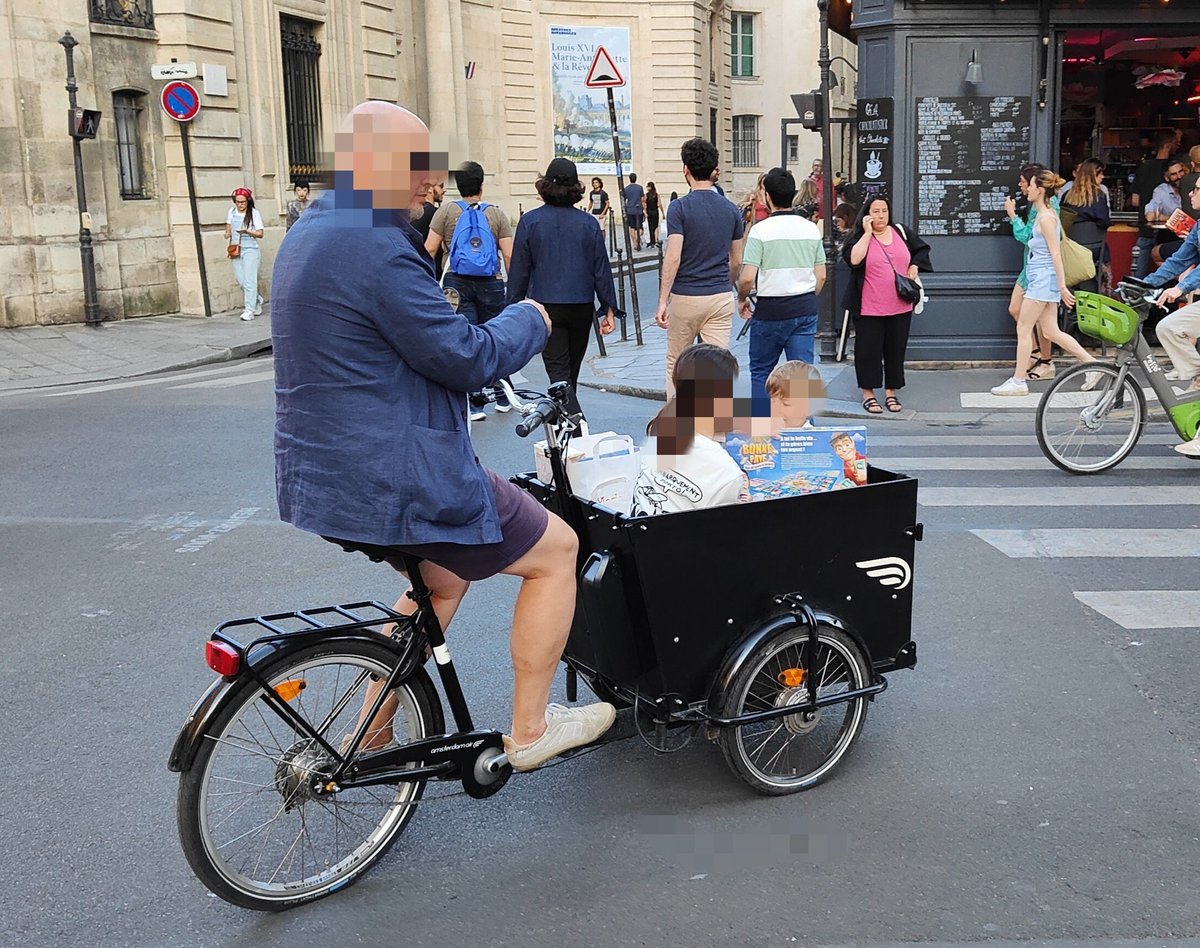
[[240, 203], [387, 149], [1195, 198], [1035, 192], [301, 193], [1023, 186], [1174, 174], [595, 184], [877, 213], [816, 167]]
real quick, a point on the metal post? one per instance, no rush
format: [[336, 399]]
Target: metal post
[[826, 335], [612, 231], [91, 303], [191, 188], [633, 295]]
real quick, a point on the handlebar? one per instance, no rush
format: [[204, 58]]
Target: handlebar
[[545, 411]]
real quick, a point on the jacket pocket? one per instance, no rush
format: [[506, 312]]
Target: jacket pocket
[[454, 491]]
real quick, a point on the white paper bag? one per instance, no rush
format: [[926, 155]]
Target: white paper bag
[[607, 473]]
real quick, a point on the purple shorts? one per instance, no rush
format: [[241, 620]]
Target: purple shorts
[[522, 523]]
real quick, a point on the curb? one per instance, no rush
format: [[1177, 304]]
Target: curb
[[834, 407]]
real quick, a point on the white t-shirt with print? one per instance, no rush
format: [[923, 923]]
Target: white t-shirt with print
[[704, 477], [236, 219]]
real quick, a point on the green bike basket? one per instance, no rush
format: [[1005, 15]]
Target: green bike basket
[[1105, 318]]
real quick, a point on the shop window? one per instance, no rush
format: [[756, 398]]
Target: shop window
[[745, 141], [793, 148], [122, 13], [128, 107], [302, 95], [741, 45]]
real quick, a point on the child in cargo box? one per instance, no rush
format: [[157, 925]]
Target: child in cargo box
[[685, 466]]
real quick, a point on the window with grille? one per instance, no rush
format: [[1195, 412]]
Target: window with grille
[[302, 96], [741, 45], [127, 111], [793, 148], [745, 141]]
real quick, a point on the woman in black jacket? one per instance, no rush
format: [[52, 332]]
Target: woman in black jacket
[[559, 259], [877, 250], [1088, 201]]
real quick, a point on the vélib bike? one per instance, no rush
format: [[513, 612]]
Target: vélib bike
[[1088, 429]]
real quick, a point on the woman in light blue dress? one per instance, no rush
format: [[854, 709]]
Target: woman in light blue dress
[[1047, 284]]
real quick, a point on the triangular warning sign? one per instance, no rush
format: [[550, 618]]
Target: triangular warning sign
[[604, 73]]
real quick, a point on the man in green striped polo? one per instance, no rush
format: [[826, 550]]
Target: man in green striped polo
[[786, 259]]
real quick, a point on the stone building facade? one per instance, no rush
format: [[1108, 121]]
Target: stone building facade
[[275, 77], [774, 46]]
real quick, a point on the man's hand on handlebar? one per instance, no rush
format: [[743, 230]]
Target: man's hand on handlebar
[[1169, 296]]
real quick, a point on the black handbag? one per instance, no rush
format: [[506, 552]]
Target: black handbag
[[907, 288]]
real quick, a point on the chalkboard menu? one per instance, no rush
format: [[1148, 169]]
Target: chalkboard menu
[[969, 150], [876, 129]]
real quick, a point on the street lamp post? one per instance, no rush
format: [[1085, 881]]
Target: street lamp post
[[91, 305], [826, 334]]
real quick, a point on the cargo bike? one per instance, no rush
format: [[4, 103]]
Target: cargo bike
[[767, 627]]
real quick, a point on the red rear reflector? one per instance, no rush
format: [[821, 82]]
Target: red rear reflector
[[222, 658]]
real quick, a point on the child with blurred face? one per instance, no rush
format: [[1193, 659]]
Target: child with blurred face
[[793, 388]]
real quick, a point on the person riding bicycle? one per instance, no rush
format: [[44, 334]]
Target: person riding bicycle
[[1179, 331], [372, 447]]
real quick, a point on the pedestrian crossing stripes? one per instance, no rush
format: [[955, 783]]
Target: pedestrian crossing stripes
[[996, 486], [1093, 542], [1081, 495], [1146, 608]]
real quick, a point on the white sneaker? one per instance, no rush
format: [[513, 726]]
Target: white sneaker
[[503, 407], [478, 414], [1091, 380], [258, 307], [248, 315], [1191, 448], [1173, 376], [566, 728], [1012, 386]]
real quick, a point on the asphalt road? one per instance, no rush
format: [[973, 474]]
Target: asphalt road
[[1033, 781]]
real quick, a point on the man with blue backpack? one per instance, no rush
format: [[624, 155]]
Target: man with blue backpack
[[474, 235]]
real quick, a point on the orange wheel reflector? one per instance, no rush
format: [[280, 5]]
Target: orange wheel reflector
[[287, 690], [791, 677]]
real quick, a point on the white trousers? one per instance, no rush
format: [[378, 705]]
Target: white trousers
[[1178, 334]]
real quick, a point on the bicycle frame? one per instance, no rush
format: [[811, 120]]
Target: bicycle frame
[[1137, 359]]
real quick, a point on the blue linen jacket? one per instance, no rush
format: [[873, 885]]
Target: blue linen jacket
[[371, 370], [1186, 256], [559, 257]]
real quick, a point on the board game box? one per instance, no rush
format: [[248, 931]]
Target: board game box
[[801, 460]]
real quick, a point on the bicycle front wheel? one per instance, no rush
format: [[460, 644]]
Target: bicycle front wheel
[[252, 829], [1088, 429]]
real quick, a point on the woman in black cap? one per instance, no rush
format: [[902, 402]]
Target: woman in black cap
[[559, 259]]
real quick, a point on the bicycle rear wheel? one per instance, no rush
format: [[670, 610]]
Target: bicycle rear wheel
[[1086, 432], [251, 828]]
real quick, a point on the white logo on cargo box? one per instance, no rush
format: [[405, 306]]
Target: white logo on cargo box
[[890, 571]]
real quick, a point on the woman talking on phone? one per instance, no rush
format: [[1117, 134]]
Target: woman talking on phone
[[880, 253], [1047, 284]]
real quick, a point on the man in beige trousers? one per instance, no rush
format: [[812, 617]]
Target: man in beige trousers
[[701, 263]]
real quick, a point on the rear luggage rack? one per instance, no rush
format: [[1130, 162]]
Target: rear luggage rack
[[343, 618]]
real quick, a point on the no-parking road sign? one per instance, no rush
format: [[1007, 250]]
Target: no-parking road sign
[[180, 101]]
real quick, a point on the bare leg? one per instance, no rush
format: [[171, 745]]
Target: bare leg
[[446, 592], [1051, 334], [541, 622], [1015, 301], [1031, 312]]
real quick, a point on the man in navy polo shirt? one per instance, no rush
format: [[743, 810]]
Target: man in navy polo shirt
[[372, 447]]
